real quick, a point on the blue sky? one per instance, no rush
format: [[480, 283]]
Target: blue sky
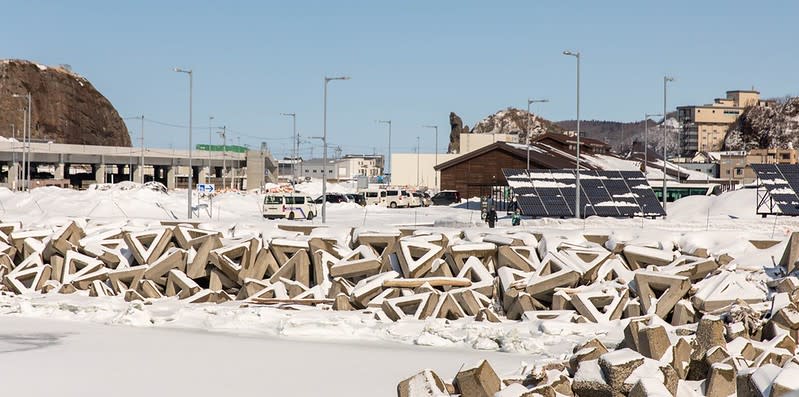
[[411, 61]]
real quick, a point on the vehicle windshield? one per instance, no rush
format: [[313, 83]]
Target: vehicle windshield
[[273, 200]]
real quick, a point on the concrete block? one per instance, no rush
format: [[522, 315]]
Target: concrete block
[[658, 293], [416, 258], [419, 306], [178, 283], [369, 287], [553, 274], [720, 381], [447, 307], [196, 266], [481, 278], [600, 306], [99, 288], [149, 245], [189, 237], [684, 313], [355, 270], [158, 269], [149, 289], [641, 257], [486, 314], [649, 387], [423, 384], [297, 268], [725, 289], [284, 249], [478, 381], [653, 341], [126, 279], [522, 258], [484, 252], [27, 280]]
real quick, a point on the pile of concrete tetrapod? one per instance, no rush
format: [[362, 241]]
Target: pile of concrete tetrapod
[[693, 320]]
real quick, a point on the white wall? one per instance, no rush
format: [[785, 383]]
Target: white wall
[[404, 166]]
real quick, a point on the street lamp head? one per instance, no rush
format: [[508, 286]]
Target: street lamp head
[[179, 70], [668, 78], [430, 126], [572, 53], [288, 114], [336, 78], [531, 101]]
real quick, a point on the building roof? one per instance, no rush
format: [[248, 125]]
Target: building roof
[[541, 154], [743, 91], [567, 139]]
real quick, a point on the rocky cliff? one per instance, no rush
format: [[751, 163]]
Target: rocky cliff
[[66, 107], [773, 126], [510, 121]]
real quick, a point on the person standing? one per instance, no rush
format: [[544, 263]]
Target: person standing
[[491, 217]]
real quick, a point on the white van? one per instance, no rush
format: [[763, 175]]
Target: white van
[[397, 198], [289, 206], [374, 197]]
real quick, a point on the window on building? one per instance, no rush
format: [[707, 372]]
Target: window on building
[[314, 171], [785, 156], [739, 171]]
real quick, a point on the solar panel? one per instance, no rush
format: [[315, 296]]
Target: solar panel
[[551, 193], [781, 181]]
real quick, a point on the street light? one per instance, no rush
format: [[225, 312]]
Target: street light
[[577, 173], [223, 134], [527, 125], [435, 173], [666, 80], [293, 145], [324, 150], [389, 147], [26, 175], [191, 170], [210, 132], [417, 160], [646, 133]]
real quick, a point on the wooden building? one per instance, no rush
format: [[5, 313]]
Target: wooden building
[[475, 173]]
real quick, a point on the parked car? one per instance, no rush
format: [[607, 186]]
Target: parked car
[[333, 198], [289, 206], [415, 200], [397, 198], [446, 197], [374, 197], [357, 198], [424, 198]]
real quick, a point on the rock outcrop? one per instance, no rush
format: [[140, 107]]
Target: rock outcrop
[[509, 121], [66, 108]]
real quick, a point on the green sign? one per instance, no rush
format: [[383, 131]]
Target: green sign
[[221, 148]]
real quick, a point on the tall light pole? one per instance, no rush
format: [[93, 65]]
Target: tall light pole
[[527, 125], [210, 132], [324, 150], [417, 161], [26, 139], [293, 145], [141, 160], [14, 154], [223, 134], [435, 173], [389, 147], [191, 170], [646, 134], [666, 80], [577, 173]]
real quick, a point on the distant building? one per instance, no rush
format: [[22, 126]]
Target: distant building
[[347, 167], [736, 166], [705, 126]]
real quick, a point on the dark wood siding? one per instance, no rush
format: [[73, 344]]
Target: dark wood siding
[[482, 171]]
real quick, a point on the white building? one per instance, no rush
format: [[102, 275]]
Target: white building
[[347, 167]]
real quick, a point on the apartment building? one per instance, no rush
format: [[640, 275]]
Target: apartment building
[[705, 126]]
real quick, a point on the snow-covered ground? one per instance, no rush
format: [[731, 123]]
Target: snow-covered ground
[[304, 351]]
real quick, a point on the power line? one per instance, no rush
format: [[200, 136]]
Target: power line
[[185, 127]]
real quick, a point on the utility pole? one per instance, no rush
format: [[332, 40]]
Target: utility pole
[[666, 80], [223, 134], [294, 146], [527, 119], [389, 148], [417, 161], [577, 171], [210, 132], [141, 139], [435, 173], [191, 170], [324, 147]]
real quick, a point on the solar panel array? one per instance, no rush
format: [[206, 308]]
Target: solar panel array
[[781, 181], [551, 193]]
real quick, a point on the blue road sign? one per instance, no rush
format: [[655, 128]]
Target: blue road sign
[[206, 187]]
